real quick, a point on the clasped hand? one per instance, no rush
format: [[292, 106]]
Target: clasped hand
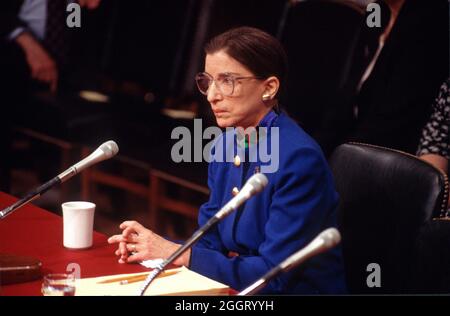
[[137, 243]]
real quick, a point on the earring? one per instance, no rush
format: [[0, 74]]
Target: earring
[[266, 97]]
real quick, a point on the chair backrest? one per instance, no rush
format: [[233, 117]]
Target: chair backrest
[[386, 196]]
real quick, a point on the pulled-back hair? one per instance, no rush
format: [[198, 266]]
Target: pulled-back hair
[[255, 49]]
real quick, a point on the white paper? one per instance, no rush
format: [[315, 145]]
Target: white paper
[[152, 264]]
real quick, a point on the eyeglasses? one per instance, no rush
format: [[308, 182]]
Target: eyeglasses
[[225, 83]]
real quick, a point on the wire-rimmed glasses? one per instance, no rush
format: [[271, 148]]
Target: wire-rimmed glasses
[[225, 82]]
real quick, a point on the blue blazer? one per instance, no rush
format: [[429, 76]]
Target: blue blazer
[[298, 203]]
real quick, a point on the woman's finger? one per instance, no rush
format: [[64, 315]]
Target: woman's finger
[[123, 249], [133, 248], [137, 257], [126, 224], [115, 239], [129, 234], [134, 225]]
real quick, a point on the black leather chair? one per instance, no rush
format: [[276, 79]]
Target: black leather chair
[[387, 197]]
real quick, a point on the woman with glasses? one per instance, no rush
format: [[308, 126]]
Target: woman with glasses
[[245, 70]]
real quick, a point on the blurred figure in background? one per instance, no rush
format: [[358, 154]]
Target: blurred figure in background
[[430, 269], [434, 146], [34, 46], [38, 28], [404, 75]]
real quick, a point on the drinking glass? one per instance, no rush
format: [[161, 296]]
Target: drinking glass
[[58, 284]]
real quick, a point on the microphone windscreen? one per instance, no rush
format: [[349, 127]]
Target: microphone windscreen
[[110, 148], [331, 237], [257, 182]]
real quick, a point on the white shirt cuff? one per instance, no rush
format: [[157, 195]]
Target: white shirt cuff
[[16, 33]]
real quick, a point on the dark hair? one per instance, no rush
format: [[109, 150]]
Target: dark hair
[[257, 50]]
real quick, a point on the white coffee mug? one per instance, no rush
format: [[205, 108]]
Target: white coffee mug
[[78, 219]]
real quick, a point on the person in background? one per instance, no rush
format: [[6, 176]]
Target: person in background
[[245, 70], [38, 28], [434, 145], [432, 255], [398, 85], [34, 50]]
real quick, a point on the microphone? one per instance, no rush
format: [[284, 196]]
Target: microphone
[[254, 185], [104, 151], [326, 240]]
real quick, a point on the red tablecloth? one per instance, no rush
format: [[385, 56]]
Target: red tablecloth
[[32, 231]]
